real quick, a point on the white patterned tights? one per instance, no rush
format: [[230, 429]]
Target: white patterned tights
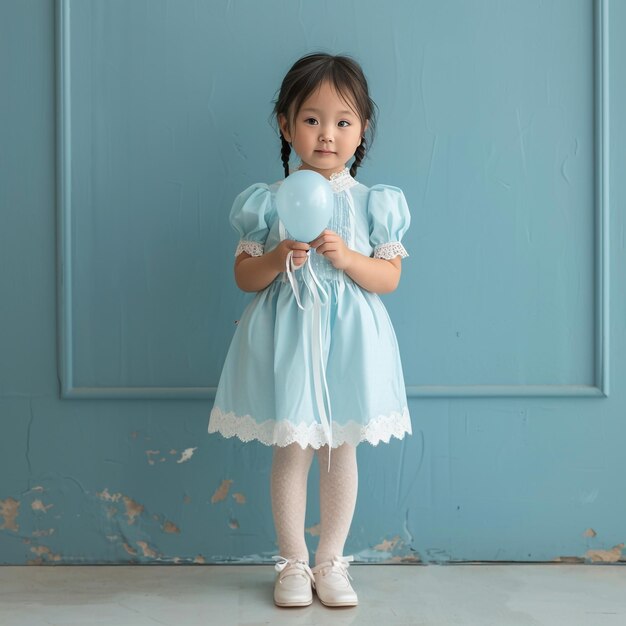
[[338, 492]]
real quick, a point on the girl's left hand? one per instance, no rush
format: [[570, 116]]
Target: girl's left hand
[[333, 247]]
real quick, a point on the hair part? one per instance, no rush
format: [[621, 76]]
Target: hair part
[[305, 76]]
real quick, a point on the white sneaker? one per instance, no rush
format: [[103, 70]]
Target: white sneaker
[[293, 582], [331, 582]]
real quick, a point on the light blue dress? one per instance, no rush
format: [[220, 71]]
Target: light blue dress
[[267, 389]]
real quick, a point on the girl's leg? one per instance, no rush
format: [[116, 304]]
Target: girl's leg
[[290, 470], [338, 491]]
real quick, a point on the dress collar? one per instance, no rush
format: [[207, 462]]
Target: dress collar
[[340, 181]]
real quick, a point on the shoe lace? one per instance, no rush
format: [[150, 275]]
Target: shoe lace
[[337, 563], [291, 566]]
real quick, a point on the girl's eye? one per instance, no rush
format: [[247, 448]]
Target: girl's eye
[[344, 122], [310, 119]]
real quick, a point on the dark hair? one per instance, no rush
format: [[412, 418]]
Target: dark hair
[[306, 75]]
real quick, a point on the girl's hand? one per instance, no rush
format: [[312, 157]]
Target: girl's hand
[[333, 247], [281, 251]]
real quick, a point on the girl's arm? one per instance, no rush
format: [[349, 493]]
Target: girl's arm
[[377, 275], [254, 273]]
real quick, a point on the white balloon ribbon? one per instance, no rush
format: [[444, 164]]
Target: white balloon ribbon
[[317, 348]]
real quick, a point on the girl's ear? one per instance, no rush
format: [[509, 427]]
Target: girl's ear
[[367, 123], [284, 127]]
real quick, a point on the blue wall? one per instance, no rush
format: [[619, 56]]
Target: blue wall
[[126, 130]]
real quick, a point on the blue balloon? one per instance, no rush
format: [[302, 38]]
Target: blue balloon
[[304, 202]]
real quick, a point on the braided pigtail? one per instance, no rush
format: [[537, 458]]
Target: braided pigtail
[[284, 154], [359, 155]]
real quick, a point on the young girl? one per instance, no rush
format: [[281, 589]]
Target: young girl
[[269, 389]]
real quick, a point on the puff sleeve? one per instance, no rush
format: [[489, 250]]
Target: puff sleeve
[[389, 219], [249, 216]]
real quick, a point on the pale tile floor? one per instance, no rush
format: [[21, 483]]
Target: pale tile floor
[[389, 595]]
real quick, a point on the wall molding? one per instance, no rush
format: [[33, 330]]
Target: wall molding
[[64, 208]]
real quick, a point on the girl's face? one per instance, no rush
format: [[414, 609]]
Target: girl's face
[[326, 131]]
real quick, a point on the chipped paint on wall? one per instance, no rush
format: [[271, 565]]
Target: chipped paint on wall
[[150, 454], [147, 550], [409, 558], [187, 454], [387, 544], [38, 505], [606, 556], [222, 491], [221, 494], [42, 551], [170, 527], [390, 549], [133, 509], [105, 495], [9, 510]]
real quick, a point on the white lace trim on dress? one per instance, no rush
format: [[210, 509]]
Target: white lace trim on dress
[[283, 432], [390, 250], [340, 181], [253, 248]]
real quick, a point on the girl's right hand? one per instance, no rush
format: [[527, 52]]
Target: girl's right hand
[[281, 251]]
